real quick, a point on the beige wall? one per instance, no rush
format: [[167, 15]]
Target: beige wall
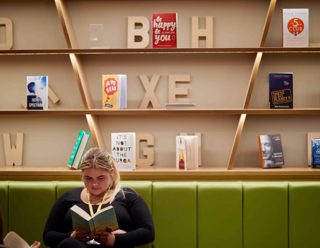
[[217, 80]]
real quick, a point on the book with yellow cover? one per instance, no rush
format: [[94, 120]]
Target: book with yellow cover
[[114, 91]]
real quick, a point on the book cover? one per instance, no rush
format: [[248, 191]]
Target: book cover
[[271, 153], [164, 30], [187, 152], [281, 90], [310, 136], [295, 28], [12, 239], [123, 150], [78, 149], [75, 148], [105, 219], [37, 92], [315, 152], [114, 91]]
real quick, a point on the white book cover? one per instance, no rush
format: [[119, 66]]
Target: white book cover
[[123, 150], [187, 152], [37, 92], [295, 28]]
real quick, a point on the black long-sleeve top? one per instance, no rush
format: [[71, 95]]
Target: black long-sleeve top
[[132, 213]]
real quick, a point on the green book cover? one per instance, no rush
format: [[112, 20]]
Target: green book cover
[[75, 148], [105, 219], [81, 150]]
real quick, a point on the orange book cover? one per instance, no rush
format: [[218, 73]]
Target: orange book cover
[[114, 91]]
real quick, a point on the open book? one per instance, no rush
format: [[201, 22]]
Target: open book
[[13, 240], [105, 219]]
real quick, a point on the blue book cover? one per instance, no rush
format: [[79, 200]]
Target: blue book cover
[[315, 153], [281, 90]]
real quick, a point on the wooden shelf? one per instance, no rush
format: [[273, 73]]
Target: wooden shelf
[[128, 51], [158, 112], [165, 174], [82, 59]]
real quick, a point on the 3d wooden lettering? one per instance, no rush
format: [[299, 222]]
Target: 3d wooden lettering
[[198, 34], [7, 24], [149, 86], [13, 154], [199, 145], [177, 95], [138, 37], [53, 96], [146, 156]]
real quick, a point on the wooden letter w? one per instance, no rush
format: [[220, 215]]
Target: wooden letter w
[[13, 154]]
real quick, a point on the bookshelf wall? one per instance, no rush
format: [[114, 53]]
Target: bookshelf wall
[[229, 85]]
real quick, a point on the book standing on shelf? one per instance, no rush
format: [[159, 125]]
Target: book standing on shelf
[[315, 153], [37, 92], [164, 30], [281, 90], [295, 30], [78, 149], [310, 136], [123, 150], [271, 153], [187, 152], [105, 219], [114, 91]]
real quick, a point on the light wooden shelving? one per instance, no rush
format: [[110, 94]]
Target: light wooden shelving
[[161, 112], [78, 57], [165, 174], [150, 51]]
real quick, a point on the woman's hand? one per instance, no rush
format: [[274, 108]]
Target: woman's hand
[[105, 238], [81, 235], [36, 244]]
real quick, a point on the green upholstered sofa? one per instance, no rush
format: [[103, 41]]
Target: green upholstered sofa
[[192, 214]]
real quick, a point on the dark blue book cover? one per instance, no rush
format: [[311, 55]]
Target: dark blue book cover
[[281, 90], [315, 153]]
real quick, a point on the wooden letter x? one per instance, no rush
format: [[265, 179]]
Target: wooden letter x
[[150, 88]]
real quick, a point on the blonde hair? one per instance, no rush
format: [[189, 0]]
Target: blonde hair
[[98, 158]]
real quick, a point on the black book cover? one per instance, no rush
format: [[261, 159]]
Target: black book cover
[[271, 153]]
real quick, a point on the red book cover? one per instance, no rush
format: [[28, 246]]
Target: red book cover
[[164, 30]]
